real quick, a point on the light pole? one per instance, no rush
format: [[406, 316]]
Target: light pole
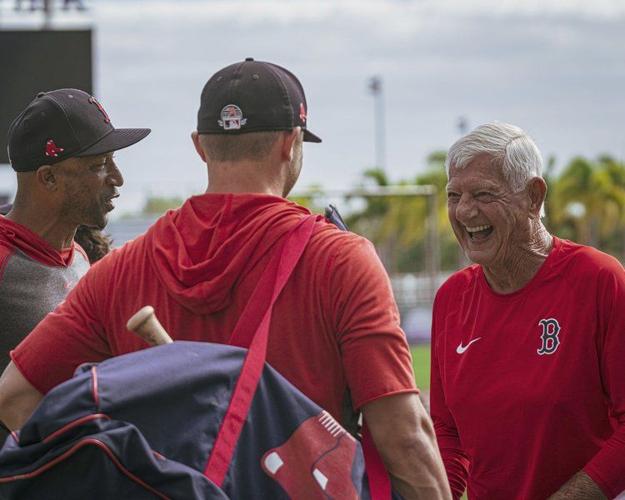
[[47, 14], [375, 86]]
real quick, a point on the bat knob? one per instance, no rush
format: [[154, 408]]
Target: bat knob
[[140, 317], [145, 324]]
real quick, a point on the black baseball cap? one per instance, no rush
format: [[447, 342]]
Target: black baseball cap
[[253, 96], [63, 124]]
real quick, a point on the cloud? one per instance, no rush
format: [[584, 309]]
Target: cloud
[[551, 66], [404, 13], [555, 67]]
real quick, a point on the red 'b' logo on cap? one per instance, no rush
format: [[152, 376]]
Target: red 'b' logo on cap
[[93, 100]]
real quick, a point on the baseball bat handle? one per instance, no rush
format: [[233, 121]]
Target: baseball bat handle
[[145, 324]]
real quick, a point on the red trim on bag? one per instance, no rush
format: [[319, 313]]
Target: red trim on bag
[[15, 436], [74, 423], [94, 387], [75, 448]]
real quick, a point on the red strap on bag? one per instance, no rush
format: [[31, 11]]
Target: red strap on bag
[[250, 331], [377, 476]]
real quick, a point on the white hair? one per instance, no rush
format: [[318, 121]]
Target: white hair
[[507, 145]]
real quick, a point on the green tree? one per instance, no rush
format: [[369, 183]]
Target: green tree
[[376, 219], [398, 225], [589, 205]]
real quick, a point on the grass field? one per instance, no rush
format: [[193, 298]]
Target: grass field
[[421, 365]]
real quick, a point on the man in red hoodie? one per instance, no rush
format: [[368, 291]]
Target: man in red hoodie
[[335, 330], [61, 149]]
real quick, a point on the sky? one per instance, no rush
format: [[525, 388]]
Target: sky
[[556, 68]]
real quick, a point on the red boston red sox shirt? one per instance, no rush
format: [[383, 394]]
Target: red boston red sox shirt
[[529, 388], [335, 326]]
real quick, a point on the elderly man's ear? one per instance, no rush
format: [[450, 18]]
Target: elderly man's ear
[[537, 190]]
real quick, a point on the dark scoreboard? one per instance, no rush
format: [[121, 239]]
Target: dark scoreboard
[[36, 61]]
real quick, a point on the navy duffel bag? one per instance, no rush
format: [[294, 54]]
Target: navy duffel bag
[[143, 425]]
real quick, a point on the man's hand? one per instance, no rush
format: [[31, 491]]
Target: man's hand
[[18, 398], [404, 436], [579, 487]]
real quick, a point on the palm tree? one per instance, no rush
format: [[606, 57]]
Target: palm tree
[[591, 199], [398, 226], [383, 220]]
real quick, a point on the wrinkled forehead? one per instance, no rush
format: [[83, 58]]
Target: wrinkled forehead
[[482, 172]]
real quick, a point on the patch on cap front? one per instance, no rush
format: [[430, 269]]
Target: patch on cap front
[[52, 150], [231, 117]]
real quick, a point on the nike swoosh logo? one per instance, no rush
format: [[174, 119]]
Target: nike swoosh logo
[[461, 348]]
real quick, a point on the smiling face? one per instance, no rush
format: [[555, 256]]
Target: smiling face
[[89, 188], [490, 221]]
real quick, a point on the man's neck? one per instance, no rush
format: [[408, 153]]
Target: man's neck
[[245, 177], [239, 188], [51, 227], [519, 269]]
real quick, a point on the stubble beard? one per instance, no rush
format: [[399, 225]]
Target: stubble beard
[[92, 215]]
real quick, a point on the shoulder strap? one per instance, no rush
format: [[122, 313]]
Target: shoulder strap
[[377, 475], [253, 329]]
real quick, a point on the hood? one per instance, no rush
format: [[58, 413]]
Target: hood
[[200, 251], [15, 235]]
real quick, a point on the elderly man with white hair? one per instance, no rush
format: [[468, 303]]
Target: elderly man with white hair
[[528, 343]]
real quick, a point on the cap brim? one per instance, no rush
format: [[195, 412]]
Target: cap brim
[[119, 138], [310, 137]]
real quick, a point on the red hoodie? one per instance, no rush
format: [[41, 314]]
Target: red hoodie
[[15, 236], [334, 327]]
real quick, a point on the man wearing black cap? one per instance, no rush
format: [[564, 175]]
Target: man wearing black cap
[[61, 147], [335, 330]]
